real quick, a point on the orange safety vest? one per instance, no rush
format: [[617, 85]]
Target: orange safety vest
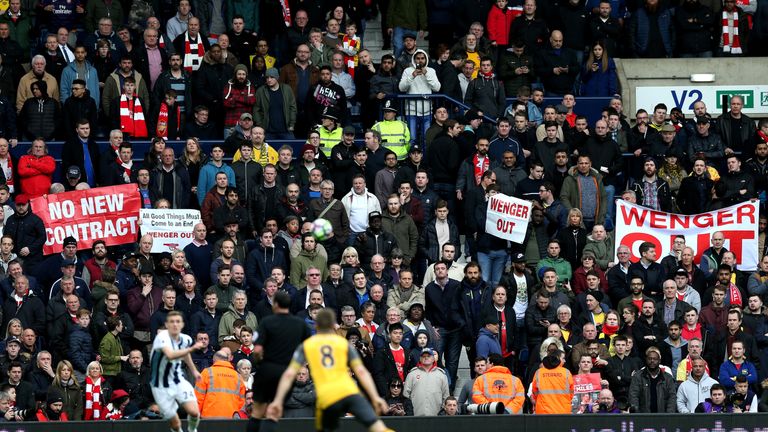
[[221, 391], [498, 384], [552, 391]]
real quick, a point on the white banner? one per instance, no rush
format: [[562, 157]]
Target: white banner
[[170, 229], [683, 97], [507, 217], [739, 224]]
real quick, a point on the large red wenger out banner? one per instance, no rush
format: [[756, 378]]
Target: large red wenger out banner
[[739, 223], [108, 213]]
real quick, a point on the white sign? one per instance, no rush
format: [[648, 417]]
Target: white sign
[[738, 223], [683, 97], [507, 217], [170, 229]]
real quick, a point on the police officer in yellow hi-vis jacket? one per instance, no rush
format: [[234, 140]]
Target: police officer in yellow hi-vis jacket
[[395, 135]]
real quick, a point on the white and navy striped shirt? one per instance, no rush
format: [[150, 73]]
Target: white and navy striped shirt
[[167, 373]]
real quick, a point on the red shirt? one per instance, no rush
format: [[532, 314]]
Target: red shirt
[[399, 356]]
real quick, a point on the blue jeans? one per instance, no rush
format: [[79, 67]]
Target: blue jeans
[[418, 126], [610, 192], [492, 265], [449, 348], [280, 136], [397, 39]]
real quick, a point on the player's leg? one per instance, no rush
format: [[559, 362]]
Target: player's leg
[[364, 413], [166, 401], [185, 396], [258, 410], [175, 423]]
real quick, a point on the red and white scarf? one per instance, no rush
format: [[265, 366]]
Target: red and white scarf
[[481, 166], [286, 12], [162, 121], [93, 400], [9, 172], [126, 169], [132, 117], [734, 296], [193, 53], [731, 42]]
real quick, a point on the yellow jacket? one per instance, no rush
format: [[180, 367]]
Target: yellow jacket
[[221, 391], [552, 391]]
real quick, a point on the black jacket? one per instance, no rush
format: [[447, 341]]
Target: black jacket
[[8, 119], [547, 61], [72, 154], [740, 143], [76, 108], [693, 23], [734, 182], [444, 158], [136, 383], [27, 231], [141, 63], [385, 369], [441, 308]]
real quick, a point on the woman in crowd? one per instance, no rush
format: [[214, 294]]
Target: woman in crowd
[[66, 384], [598, 76]]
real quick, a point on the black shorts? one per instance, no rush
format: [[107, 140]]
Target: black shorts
[[265, 382], [328, 419]]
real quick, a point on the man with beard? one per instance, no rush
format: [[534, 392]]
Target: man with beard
[[419, 78], [695, 193], [637, 297], [292, 205], [584, 189], [239, 97], [177, 79], [649, 330], [508, 174], [471, 295], [94, 267], [275, 108], [326, 94], [652, 191], [758, 167]]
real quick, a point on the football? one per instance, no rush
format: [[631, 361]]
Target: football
[[321, 229]]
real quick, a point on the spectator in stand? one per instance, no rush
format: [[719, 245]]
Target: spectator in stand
[[556, 67], [419, 78], [404, 17], [486, 92], [239, 97], [35, 170], [530, 28], [36, 74], [599, 78], [647, 43], [694, 23], [663, 399]]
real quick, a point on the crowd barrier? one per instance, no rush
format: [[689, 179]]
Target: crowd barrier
[[524, 423]]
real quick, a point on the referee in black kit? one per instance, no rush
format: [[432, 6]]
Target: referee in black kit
[[279, 336]]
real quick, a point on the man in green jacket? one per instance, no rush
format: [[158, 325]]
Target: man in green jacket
[[280, 128], [308, 257], [402, 227], [110, 348], [583, 189], [553, 260]]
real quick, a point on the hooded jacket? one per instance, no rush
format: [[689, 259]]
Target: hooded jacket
[[422, 84], [427, 389], [91, 79], [229, 317], [691, 393], [238, 98]]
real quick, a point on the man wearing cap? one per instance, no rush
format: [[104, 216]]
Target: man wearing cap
[[652, 191], [278, 120], [426, 385], [312, 167], [342, 157], [28, 233], [408, 44], [326, 94], [665, 143], [488, 337], [705, 143], [239, 97], [331, 133], [72, 178], [127, 274], [394, 133], [374, 241], [241, 132], [11, 354]]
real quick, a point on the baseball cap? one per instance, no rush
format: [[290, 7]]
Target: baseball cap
[[668, 128], [21, 199], [129, 255], [349, 130], [561, 109], [73, 172], [490, 319], [681, 272], [429, 351], [70, 241], [12, 339], [702, 120], [518, 258], [415, 148], [409, 35], [374, 214], [246, 115], [67, 262]]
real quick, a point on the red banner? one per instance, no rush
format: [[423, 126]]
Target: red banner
[[108, 213]]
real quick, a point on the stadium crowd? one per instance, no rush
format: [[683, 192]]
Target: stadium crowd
[[409, 268]]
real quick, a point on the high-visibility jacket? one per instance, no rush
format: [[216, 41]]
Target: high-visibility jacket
[[221, 391], [552, 391], [328, 139], [395, 136], [498, 384]]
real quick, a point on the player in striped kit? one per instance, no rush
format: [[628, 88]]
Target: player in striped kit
[[169, 387]]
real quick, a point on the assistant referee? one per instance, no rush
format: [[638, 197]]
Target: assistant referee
[[279, 336]]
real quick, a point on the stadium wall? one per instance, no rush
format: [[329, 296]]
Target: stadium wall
[[526, 423], [671, 81]]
